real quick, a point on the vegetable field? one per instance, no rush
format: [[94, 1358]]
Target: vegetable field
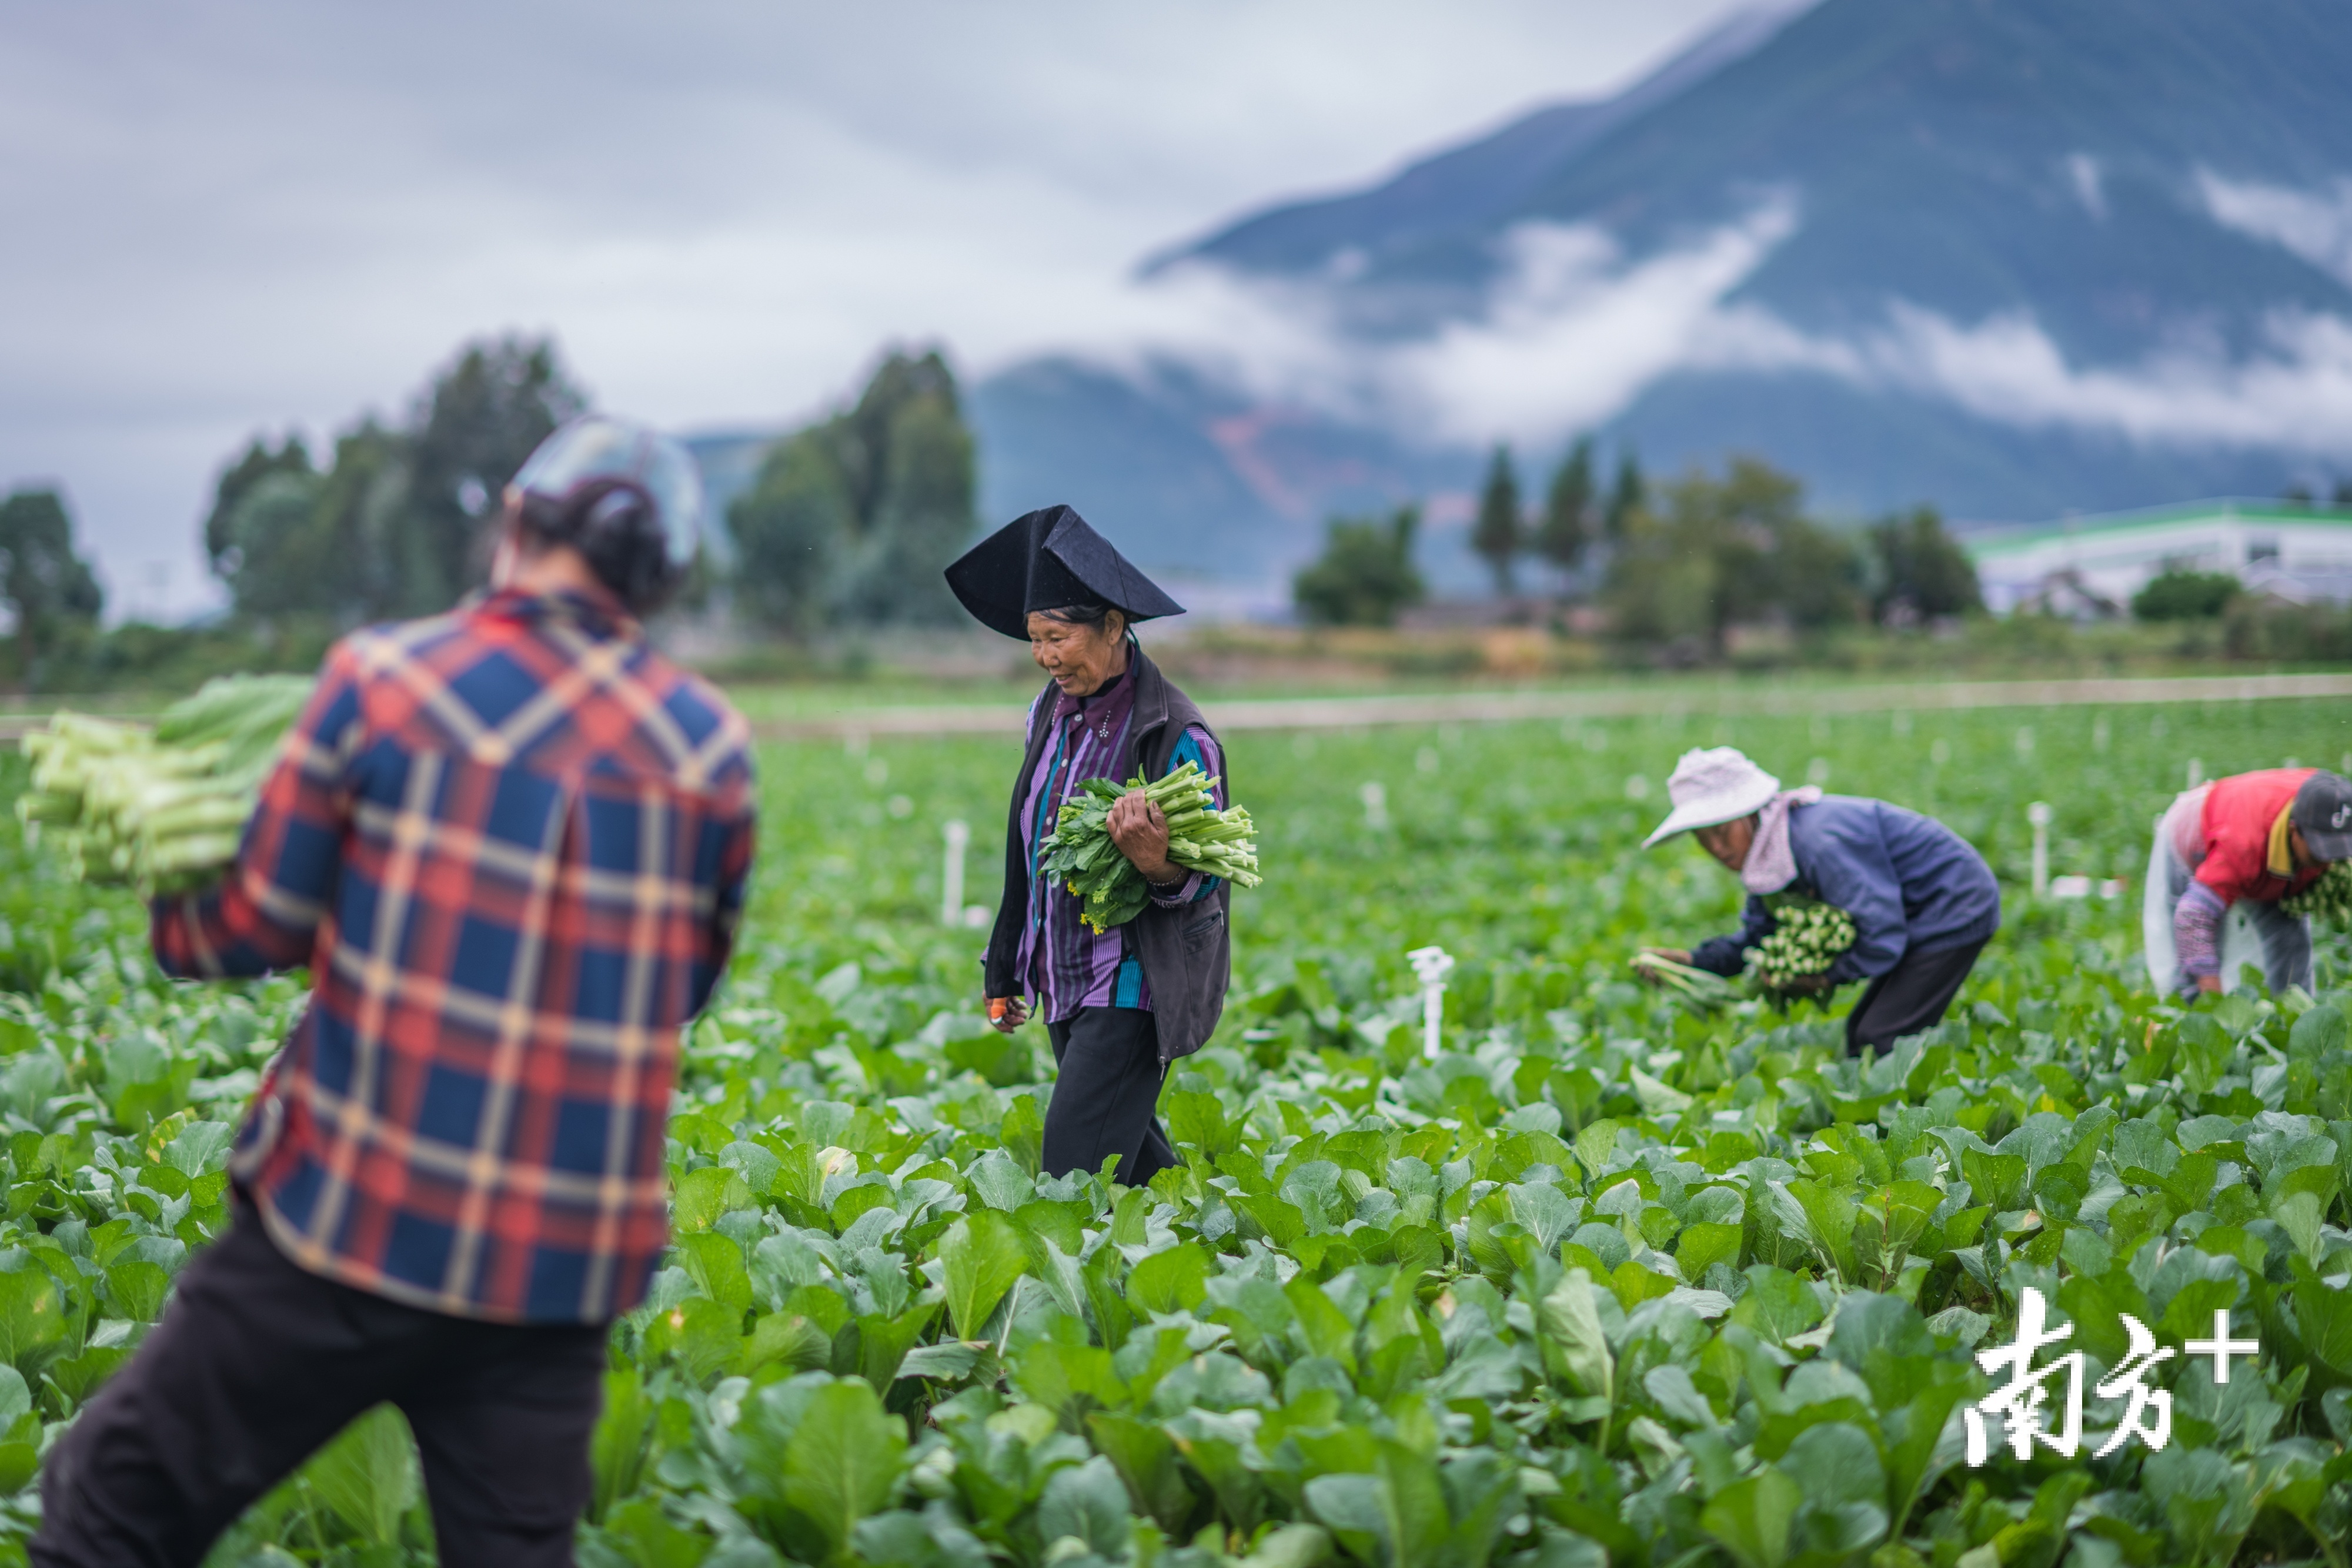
[[1610, 1280]]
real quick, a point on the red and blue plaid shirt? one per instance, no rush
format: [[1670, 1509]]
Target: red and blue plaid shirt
[[510, 842]]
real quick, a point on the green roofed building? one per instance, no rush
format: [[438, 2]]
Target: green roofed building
[[2093, 565]]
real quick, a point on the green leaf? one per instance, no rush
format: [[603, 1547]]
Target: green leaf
[[1322, 1328], [367, 1475], [1145, 1456], [1829, 1214], [1173, 1280], [701, 1196], [1087, 1502], [984, 1252], [703, 1336], [1703, 1245], [1068, 1379], [842, 1464], [716, 1264], [1023, 1132], [2323, 1320], [1777, 1304], [1568, 1318], [617, 1451], [32, 1318], [136, 1289], [1754, 1518], [1835, 1466], [652, 1541], [1996, 1179], [1291, 1546], [1197, 1121], [2319, 1031]]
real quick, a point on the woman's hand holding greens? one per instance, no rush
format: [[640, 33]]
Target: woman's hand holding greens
[[1139, 828]]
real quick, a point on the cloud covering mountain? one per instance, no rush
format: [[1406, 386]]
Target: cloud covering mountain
[[2008, 257]]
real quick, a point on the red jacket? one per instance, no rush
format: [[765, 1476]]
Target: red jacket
[[2241, 814]]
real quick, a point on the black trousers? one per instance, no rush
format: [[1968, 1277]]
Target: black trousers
[[1909, 997], [1106, 1096], [258, 1363]]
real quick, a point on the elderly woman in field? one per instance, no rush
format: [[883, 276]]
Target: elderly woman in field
[[1121, 1004], [1923, 902]]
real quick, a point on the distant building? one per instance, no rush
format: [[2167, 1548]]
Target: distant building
[[2091, 566]]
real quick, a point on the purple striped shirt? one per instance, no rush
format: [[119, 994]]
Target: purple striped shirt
[[1064, 963]]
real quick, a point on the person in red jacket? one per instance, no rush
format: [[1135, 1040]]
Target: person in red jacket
[[2253, 839]]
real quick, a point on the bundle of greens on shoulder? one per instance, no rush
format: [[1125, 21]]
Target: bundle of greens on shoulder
[[1806, 938], [158, 806], [1199, 838]]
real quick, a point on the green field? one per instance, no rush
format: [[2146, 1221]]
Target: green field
[[1606, 1282]]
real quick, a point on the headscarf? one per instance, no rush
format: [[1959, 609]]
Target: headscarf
[[1771, 864]]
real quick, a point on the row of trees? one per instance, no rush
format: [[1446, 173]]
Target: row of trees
[[1574, 517], [1699, 556], [51, 596], [392, 524], [853, 520], [849, 519]]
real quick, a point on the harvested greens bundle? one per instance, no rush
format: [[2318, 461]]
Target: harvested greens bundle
[[1806, 938], [1199, 838], [1702, 990], [2329, 899], [160, 808]]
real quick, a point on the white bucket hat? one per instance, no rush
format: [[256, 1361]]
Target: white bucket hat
[[1711, 785]]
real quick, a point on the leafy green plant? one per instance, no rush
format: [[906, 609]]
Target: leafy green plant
[[1606, 1280]]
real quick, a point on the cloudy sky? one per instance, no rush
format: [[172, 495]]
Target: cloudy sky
[[261, 213]]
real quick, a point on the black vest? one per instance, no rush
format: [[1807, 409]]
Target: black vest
[[1186, 951]]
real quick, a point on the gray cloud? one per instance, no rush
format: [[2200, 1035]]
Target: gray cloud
[[256, 212]]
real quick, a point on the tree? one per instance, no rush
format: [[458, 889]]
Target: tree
[[1365, 576], [2180, 595], [1500, 533], [470, 434], [855, 518], [394, 525], [1566, 527], [1628, 495], [789, 527], [1730, 552], [1919, 569], [47, 588], [238, 480]]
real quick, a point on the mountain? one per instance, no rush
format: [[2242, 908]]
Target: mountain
[[2014, 257], [1469, 187]]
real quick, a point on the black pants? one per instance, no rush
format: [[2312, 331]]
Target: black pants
[[1909, 997], [1106, 1096], [256, 1362]]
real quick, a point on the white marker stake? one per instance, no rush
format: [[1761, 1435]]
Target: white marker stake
[[951, 875], [1432, 965], [2038, 814], [2196, 771]]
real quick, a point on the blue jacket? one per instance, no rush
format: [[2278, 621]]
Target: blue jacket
[[1911, 885]]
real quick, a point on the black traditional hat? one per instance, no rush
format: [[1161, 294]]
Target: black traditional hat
[[1050, 559]]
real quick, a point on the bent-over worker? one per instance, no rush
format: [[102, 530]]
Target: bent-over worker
[[1922, 900], [2246, 842]]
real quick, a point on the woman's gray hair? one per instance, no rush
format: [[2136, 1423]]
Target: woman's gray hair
[[1083, 614]]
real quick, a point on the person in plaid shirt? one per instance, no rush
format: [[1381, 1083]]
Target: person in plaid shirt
[[510, 844]]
